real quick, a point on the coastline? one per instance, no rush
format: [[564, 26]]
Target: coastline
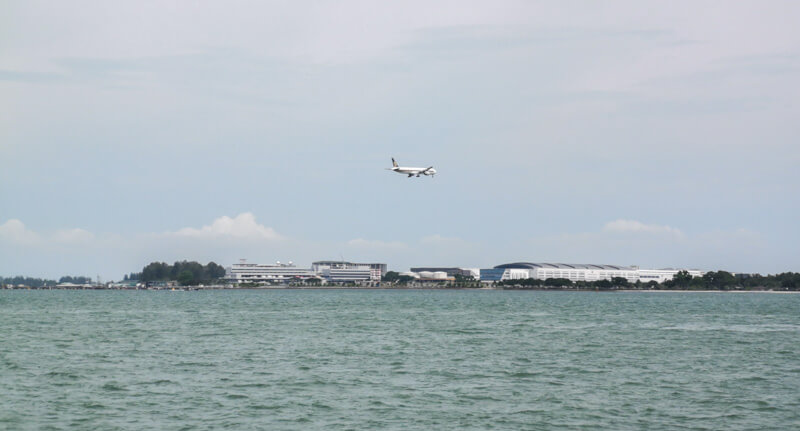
[[500, 288], [708, 291]]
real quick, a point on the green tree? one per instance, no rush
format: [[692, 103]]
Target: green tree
[[721, 280], [619, 282], [405, 279], [160, 271], [186, 278], [214, 271], [390, 276], [603, 284], [681, 279], [558, 282], [788, 280], [698, 283], [461, 278], [532, 282], [27, 281]]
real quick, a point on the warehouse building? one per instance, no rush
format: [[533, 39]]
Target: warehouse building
[[569, 271], [578, 272]]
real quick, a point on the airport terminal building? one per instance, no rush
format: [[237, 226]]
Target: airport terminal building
[[244, 272], [331, 271], [341, 271]]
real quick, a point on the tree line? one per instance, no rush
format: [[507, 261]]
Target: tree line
[[185, 273], [712, 280], [682, 280], [43, 282]]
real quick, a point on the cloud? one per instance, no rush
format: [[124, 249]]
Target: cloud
[[431, 250], [630, 242], [437, 240], [633, 226], [25, 76], [14, 231], [75, 235], [375, 244], [79, 251], [243, 226]]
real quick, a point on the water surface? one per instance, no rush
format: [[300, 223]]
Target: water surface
[[399, 360]]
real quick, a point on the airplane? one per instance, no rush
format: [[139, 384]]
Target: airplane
[[411, 171]]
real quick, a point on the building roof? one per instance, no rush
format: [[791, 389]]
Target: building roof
[[567, 266]]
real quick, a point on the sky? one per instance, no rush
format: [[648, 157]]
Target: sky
[[659, 134]]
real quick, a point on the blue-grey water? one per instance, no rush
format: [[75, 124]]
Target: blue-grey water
[[398, 360]]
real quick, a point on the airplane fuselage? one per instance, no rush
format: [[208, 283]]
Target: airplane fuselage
[[412, 171], [408, 170]]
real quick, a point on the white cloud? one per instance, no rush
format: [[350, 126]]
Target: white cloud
[[242, 226], [438, 239], [633, 226], [451, 244], [75, 235], [629, 242], [14, 231], [79, 251], [375, 244]]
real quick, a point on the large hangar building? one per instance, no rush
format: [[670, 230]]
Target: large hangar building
[[578, 272], [570, 271]]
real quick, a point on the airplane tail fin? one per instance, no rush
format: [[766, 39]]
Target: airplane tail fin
[[394, 164]]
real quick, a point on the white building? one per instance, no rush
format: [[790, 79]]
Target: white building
[[433, 275], [449, 271], [244, 272], [341, 271], [578, 272], [570, 271]]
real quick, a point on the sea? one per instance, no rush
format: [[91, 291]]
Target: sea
[[358, 359]]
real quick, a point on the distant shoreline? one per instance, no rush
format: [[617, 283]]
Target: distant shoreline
[[709, 291], [198, 288]]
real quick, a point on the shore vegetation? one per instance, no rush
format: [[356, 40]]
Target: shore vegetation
[[712, 280], [184, 272], [43, 282]]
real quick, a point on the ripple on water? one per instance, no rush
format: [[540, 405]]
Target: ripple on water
[[397, 360], [113, 387]]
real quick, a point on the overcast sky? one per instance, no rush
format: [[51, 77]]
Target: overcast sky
[[659, 134]]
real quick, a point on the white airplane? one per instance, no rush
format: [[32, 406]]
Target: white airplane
[[411, 171]]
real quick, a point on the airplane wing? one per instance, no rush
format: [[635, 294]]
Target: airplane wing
[[426, 169]]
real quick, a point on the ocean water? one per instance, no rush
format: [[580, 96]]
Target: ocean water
[[398, 360]]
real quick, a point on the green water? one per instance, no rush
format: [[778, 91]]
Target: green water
[[399, 360]]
